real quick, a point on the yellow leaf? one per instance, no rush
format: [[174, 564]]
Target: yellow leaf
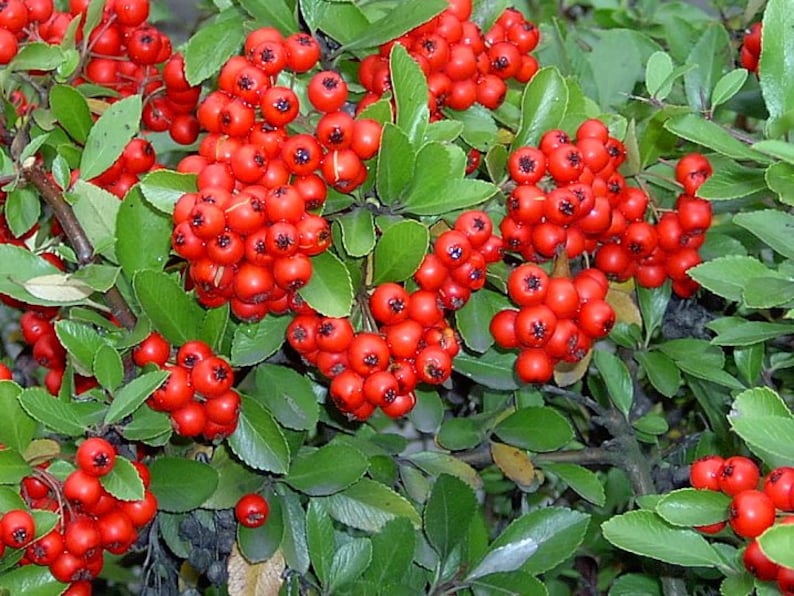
[[514, 463], [566, 373], [97, 106], [255, 579], [626, 310], [41, 450]]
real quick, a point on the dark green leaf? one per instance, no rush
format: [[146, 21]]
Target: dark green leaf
[[213, 327], [163, 188], [71, 109], [258, 440], [330, 290], [96, 210], [459, 433], [368, 505], [53, 413], [172, 475], [662, 372], [327, 470], [772, 226], [173, 312], [254, 342], [492, 368], [558, 532], [410, 90], [750, 332], [691, 507], [653, 304], [109, 135], [81, 342], [475, 317], [710, 54], [645, 533], [777, 85], [514, 582], [710, 134], [293, 543], [18, 427], [435, 463], [448, 513], [535, 429], [31, 580], [139, 225], [402, 18], [396, 160], [130, 397], [392, 552], [733, 181], [274, 13], [235, 480], [148, 426], [123, 481], [543, 106], [320, 539], [22, 210], [581, 480], [727, 276], [428, 412], [349, 562], [400, 251], [259, 544], [212, 46], [749, 361], [616, 376]]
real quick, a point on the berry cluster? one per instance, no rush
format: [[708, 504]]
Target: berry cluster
[[570, 197], [410, 341], [462, 65], [558, 319], [751, 48], [751, 511], [198, 393], [137, 159], [92, 521]]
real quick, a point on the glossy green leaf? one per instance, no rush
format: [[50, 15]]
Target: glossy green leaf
[[402, 18], [392, 552], [18, 426], [288, 395], [320, 539], [212, 46], [130, 397], [747, 333], [330, 290], [349, 562], [13, 467], [81, 343], [711, 135], [710, 54], [448, 513], [474, 318], [581, 480], [410, 89], [691, 507], [53, 413], [543, 106], [727, 276], [396, 162], [328, 470], [479, 127], [96, 210], [294, 541], [258, 440], [173, 312], [535, 429], [457, 434], [148, 426], [37, 56], [22, 210], [661, 371], [139, 224], [18, 265], [645, 533], [171, 476], [728, 86], [358, 232], [255, 342], [616, 376], [71, 110], [400, 251], [492, 368], [31, 580], [777, 86], [773, 227], [163, 188], [733, 181], [273, 13], [368, 505], [123, 481], [109, 135], [777, 543]]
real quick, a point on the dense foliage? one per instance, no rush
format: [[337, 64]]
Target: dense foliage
[[396, 297]]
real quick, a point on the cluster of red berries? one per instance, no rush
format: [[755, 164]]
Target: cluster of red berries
[[137, 159], [462, 64], [198, 393], [751, 48], [751, 511], [92, 521], [410, 341], [252, 510], [123, 50], [570, 197], [558, 319]]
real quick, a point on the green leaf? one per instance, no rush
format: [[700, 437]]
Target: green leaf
[[760, 401], [535, 429], [349, 562], [22, 210], [234, 480], [710, 54], [369, 505], [728, 86], [293, 543], [343, 22], [148, 426], [171, 476], [543, 106], [772, 434], [123, 481], [214, 325], [514, 582], [392, 552], [662, 372], [13, 467], [402, 18], [410, 91], [53, 413], [733, 181], [98, 277], [645, 533], [775, 148], [138, 224], [255, 342], [396, 160], [727, 276], [448, 513], [212, 46], [747, 333], [81, 342], [358, 232], [475, 317], [631, 584], [275, 13], [18, 265], [320, 539], [327, 470], [173, 312], [330, 290], [163, 188], [288, 395], [400, 251], [616, 376], [109, 135], [581, 480], [37, 56], [771, 226], [777, 543], [444, 130], [557, 531], [18, 427], [260, 544], [710, 134], [657, 75], [780, 178], [653, 304], [31, 580], [503, 560], [258, 440], [130, 397], [435, 463], [96, 210], [71, 110], [777, 85], [492, 368], [691, 507], [479, 127]]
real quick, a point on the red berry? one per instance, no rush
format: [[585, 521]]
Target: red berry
[[251, 510]]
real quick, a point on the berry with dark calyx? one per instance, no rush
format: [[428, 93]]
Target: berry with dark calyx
[[95, 456], [251, 510]]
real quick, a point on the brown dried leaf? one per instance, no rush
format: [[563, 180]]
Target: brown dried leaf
[[514, 463], [255, 579]]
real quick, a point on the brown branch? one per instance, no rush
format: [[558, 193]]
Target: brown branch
[[53, 196]]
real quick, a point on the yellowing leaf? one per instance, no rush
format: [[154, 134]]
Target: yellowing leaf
[[514, 463], [566, 374], [41, 450], [260, 579], [626, 310]]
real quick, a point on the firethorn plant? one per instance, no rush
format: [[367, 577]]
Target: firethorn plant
[[399, 297]]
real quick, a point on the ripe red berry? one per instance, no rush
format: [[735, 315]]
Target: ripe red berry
[[95, 456], [750, 513], [251, 510], [705, 472], [17, 528], [738, 474]]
